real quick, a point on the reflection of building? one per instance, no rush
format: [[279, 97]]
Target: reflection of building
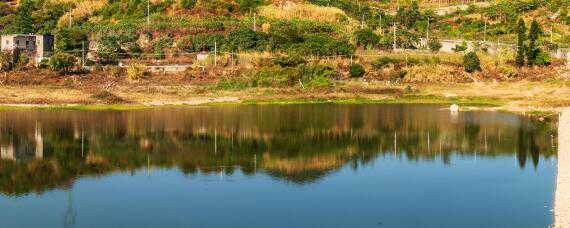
[[39, 143], [7, 151], [37, 47]]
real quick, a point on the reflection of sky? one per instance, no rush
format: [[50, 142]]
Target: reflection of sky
[[468, 192]]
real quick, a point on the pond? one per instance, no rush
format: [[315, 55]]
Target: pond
[[276, 166]]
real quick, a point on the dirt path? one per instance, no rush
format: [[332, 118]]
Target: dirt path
[[562, 196]]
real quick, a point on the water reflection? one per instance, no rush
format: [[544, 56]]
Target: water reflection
[[42, 150]]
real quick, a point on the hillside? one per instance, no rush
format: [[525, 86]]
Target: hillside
[[78, 20]]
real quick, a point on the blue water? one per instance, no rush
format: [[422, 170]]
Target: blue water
[[467, 188]]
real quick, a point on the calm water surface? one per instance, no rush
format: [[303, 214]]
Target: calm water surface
[[275, 166]]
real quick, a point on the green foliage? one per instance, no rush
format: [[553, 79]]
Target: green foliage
[[460, 47], [471, 62], [542, 59], [188, 4], [408, 16], [533, 49], [322, 45], [307, 76], [71, 39], [434, 44], [366, 38], [289, 61], [62, 62], [160, 44], [521, 48], [207, 42], [245, 39], [247, 5], [356, 70]]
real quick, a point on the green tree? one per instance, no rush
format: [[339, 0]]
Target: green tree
[[62, 62], [23, 23], [521, 37], [366, 38], [471, 62], [69, 39], [533, 49]]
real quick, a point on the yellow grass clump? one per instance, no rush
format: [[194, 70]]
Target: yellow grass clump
[[291, 10], [82, 9]]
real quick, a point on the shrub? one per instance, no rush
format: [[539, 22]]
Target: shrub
[[114, 71], [434, 44], [188, 4], [107, 97], [471, 62], [322, 45], [460, 47], [136, 71], [289, 61], [366, 38], [62, 62], [383, 62], [6, 61], [542, 59], [356, 70]]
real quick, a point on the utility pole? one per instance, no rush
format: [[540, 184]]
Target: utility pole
[[82, 61], [215, 53], [394, 45], [427, 32], [254, 21], [380, 23], [148, 12], [485, 32]]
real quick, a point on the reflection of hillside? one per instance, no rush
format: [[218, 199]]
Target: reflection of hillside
[[43, 150]]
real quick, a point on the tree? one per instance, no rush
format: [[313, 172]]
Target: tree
[[521, 30], [69, 39], [23, 23], [366, 38], [471, 62], [533, 49], [62, 62]]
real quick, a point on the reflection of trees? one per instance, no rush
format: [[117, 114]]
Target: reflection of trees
[[301, 144]]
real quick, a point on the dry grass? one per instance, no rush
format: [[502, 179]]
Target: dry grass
[[82, 9], [308, 12]]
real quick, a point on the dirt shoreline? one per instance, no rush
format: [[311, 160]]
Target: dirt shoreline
[[544, 97]]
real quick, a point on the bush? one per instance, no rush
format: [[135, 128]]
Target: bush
[[6, 61], [136, 71], [188, 4], [356, 70], [460, 47], [366, 38], [434, 44], [62, 62], [383, 62], [542, 59], [322, 45], [289, 61], [471, 62]]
